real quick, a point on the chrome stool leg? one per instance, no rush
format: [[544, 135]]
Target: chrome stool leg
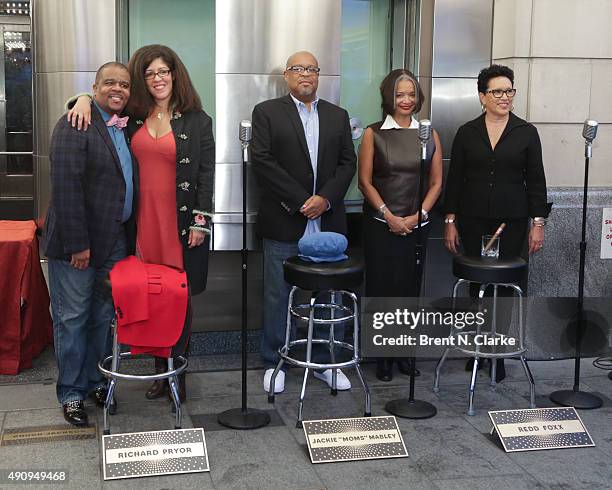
[[173, 383], [366, 390], [313, 298], [331, 345], [436, 386], [113, 381], [532, 403], [473, 387], [494, 334]]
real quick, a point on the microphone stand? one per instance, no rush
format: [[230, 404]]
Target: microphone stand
[[575, 397], [402, 407], [244, 418]]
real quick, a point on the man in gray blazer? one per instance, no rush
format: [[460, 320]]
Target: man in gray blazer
[[304, 160]]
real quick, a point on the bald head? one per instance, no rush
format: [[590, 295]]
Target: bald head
[[300, 57], [302, 83]]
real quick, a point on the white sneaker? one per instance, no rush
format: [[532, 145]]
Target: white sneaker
[[279, 382], [342, 382]]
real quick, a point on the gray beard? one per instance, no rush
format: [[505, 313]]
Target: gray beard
[[306, 91]]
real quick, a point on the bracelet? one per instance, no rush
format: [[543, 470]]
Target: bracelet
[[424, 215], [538, 221], [381, 210], [449, 221]]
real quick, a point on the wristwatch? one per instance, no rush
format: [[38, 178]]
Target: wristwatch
[[448, 221]]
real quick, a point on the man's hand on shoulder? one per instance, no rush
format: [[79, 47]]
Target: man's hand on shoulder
[[80, 260], [314, 207]]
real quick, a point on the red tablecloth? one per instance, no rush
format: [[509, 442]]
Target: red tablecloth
[[25, 321]]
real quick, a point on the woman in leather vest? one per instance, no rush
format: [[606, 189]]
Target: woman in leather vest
[[389, 165]]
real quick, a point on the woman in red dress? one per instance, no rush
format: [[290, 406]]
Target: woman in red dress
[[172, 141]]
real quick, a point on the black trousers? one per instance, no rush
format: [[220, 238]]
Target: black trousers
[[390, 260]]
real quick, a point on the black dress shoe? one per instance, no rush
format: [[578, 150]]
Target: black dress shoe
[[500, 372], [74, 413], [99, 396], [403, 365], [384, 369]]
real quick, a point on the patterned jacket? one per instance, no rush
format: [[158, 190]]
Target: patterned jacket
[[87, 192]]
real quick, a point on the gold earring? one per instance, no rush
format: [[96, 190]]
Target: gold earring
[[483, 108]]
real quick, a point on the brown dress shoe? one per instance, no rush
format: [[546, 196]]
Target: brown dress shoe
[[159, 387]]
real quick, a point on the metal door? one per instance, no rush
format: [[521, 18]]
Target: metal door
[[16, 163]]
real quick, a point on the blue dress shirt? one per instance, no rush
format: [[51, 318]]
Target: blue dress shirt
[[125, 157], [310, 122]]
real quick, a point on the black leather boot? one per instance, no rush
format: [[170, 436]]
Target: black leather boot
[[384, 369], [500, 371], [158, 388]]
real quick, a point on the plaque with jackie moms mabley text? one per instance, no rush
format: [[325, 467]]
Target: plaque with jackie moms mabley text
[[334, 440]]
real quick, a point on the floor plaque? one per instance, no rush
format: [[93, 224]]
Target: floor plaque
[[535, 429], [163, 452], [334, 440], [47, 433]]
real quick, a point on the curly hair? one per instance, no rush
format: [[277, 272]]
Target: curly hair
[[493, 71], [388, 88], [184, 96]]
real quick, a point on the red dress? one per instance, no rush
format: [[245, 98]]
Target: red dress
[[157, 240]]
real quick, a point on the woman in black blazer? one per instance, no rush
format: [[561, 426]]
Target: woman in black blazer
[[496, 176]]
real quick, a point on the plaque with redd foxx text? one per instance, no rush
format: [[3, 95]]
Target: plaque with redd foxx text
[[162, 452], [334, 440], [540, 428]]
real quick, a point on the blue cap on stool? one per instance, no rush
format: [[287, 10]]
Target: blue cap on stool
[[324, 246]]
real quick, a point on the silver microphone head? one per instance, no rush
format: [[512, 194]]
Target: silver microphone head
[[424, 130], [589, 130], [246, 131]]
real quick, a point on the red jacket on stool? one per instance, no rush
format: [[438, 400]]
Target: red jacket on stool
[[150, 304]]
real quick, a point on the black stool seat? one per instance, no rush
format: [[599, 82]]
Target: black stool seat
[[489, 270], [319, 276]]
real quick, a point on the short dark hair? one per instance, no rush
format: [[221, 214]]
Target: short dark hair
[[388, 88], [184, 96], [107, 65], [493, 71]]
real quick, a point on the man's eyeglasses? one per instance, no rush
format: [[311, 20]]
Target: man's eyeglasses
[[162, 73], [298, 69], [498, 93]]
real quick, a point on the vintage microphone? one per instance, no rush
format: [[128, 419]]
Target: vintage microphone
[[244, 417], [411, 408], [575, 397]]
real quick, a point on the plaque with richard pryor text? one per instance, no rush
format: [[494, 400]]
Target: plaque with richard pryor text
[[334, 440], [540, 428]]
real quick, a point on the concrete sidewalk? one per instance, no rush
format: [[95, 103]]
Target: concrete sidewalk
[[451, 450]]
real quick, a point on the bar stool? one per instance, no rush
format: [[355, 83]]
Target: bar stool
[[323, 279], [148, 299], [488, 272], [113, 374]]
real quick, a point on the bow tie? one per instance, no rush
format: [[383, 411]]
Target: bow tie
[[119, 122]]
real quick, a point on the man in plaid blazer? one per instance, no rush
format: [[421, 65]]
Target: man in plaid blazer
[[92, 182]]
